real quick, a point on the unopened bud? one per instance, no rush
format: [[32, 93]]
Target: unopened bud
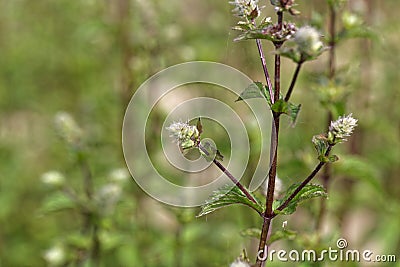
[[308, 40]]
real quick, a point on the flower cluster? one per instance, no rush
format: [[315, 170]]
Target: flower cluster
[[247, 9], [280, 33], [285, 5], [342, 127], [53, 178], [186, 135], [239, 263], [68, 129], [308, 40]]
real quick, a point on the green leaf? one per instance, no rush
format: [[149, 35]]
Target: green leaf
[[229, 196], [282, 234], [321, 144], [288, 108], [308, 192], [333, 158], [209, 151], [57, 202], [251, 232], [254, 90]]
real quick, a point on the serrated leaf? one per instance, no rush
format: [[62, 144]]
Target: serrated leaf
[[251, 232], [321, 144], [282, 234], [254, 90], [57, 202], [228, 196], [308, 192]]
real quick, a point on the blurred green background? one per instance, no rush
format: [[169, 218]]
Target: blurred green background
[[87, 58]]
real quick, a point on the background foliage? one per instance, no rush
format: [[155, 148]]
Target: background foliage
[[87, 57]]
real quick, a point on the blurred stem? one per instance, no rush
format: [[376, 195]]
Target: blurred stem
[[90, 222], [331, 75], [262, 247], [294, 79], [179, 245]]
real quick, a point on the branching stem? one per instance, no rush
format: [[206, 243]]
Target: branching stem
[[294, 79]]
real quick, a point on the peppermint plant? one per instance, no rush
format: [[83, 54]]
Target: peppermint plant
[[301, 44]]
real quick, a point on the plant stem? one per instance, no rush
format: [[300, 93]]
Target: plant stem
[[230, 176], [331, 75], [266, 73], [88, 214], [294, 79], [234, 180], [262, 247]]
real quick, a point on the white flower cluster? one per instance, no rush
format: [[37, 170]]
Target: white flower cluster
[[308, 40], [185, 134], [68, 128], [53, 178], [54, 256], [247, 9], [239, 263], [343, 127]]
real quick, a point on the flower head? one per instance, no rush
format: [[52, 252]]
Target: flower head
[[342, 127], [68, 129], [186, 135], [53, 178], [54, 256], [239, 263], [247, 9], [308, 40]]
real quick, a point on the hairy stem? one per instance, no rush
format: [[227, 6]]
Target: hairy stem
[[266, 73], [230, 176], [294, 79], [262, 247], [234, 180]]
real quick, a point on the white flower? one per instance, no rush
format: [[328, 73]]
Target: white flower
[[239, 263], [53, 178], [247, 9], [119, 175], [308, 40], [343, 127], [185, 134], [54, 256], [108, 196], [68, 128]]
